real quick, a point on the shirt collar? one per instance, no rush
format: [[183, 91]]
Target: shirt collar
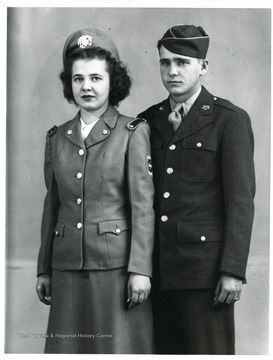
[[188, 103], [86, 128], [84, 125]]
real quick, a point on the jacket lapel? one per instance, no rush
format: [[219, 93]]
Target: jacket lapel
[[73, 131], [160, 120], [199, 116], [103, 127]]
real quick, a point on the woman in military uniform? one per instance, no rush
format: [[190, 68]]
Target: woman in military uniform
[[95, 259]]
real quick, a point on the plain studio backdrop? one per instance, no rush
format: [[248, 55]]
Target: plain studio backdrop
[[239, 70]]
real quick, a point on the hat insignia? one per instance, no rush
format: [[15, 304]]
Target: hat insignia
[[84, 41]]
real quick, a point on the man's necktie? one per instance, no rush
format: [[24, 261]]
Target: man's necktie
[[175, 117]]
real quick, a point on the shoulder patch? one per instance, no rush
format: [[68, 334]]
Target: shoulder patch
[[132, 125], [149, 165], [52, 131], [224, 103]]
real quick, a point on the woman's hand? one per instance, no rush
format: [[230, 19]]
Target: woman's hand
[[228, 290], [43, 288], [139, 288]]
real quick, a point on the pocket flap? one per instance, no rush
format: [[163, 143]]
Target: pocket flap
[[199, 232], [200, 143], [113, 226], [59, 229]]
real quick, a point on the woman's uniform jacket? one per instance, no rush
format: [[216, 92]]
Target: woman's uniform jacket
[[98, 211], [204, 190]]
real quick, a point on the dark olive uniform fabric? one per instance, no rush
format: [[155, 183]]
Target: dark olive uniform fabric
[[193, 326], [205, 185], [98, 211]]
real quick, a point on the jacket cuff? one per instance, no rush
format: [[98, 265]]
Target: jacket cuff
[[141, 269], [234, 275]]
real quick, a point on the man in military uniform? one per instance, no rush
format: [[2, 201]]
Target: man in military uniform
[[202, 152]]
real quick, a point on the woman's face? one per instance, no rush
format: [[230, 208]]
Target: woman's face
[[91, 84]]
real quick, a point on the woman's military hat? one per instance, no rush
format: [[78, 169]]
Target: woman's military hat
[[187, 40], [86, 39]]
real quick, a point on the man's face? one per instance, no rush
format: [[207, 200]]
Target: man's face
[[181, 74]]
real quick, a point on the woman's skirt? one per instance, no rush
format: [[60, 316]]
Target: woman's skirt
[[89, 314]]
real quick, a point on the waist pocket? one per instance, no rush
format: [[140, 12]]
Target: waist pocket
[[115, 227], [199, 233]]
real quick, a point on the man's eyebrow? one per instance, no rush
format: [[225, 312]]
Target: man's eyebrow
[[181, 59]]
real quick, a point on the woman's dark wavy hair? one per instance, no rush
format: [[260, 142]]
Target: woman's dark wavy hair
[[120, 82]]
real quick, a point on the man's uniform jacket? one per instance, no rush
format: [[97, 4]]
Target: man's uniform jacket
[[98, 211], [204, 185]]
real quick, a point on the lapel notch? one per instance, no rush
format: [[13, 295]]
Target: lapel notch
[[199, 116], [160, 120], [103, 127], [73, 131]]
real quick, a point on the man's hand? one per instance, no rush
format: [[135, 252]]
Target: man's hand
[[43, 289], [228, 290], [138, 288]]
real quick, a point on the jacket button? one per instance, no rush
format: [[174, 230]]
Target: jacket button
[[170, 170], [69, 132], [161, 108], [79, 175], [56, 233], [172, 147], [81, 152], [203, 238], [118, 230], [164, 218], [166, 195], [104, 132], [79, 226], [79, 201], [199, 144]]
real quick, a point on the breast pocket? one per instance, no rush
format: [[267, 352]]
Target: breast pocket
[[198, 158]]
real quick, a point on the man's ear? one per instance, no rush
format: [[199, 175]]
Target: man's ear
[[204, 66]]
